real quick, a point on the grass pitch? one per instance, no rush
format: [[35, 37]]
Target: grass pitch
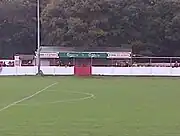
[[107, 106]]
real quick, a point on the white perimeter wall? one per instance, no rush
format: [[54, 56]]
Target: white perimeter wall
[[33, 70], [141, 71]]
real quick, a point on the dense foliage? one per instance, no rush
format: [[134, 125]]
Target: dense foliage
[[151, 26]]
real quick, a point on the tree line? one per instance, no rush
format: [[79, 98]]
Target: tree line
[[152, 27]]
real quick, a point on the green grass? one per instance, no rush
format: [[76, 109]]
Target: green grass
[[121, 106]]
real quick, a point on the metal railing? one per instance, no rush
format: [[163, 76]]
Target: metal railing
[[118, 62], [121, 62]]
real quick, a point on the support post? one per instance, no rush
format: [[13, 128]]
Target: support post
[[38, 38]]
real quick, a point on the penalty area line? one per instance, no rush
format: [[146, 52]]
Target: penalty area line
[[28, 97]]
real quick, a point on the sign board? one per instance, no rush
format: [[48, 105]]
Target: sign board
[[119, 54], [7, 61], [49, 55], [82, 55]]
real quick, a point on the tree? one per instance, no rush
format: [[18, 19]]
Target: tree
[[152, 27], [17, 28]]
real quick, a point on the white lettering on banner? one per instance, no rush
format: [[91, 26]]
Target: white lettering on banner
[[93, 55], [49, 55], [119, 54], [72, 55]]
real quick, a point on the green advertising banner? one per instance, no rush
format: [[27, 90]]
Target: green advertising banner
[[82, 55]]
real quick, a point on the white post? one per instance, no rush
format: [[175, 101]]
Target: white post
[[38, 36]]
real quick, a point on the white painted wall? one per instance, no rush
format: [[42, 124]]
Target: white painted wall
[[47, 70], [8, 71], [33, 70], [136, 71]]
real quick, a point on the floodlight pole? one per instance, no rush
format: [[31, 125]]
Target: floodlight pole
[[38, 37]]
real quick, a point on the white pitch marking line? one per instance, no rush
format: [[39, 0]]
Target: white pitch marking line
[[89, 96], [26, 98]]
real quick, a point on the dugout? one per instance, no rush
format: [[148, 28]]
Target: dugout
[[71, 56], [84, 58]]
